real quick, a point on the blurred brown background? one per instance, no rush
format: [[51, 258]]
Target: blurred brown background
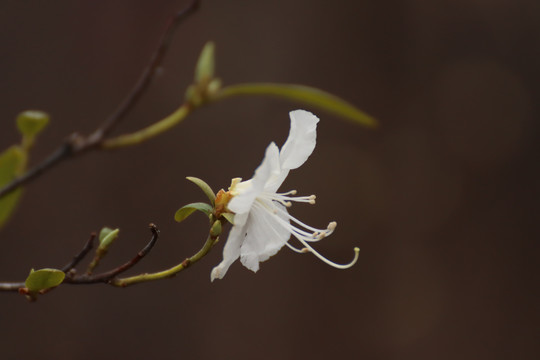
[[441, 199]]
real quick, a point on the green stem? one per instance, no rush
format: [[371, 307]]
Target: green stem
[[306, 94], [123, 282], [151, 131]]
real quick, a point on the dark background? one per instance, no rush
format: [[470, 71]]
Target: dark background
[[441, 199]]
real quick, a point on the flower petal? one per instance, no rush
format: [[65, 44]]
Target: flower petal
[[264, 234], [301, 140], [231, 250], [241, 202]]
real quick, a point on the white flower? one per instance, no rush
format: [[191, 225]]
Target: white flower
[[262, 224]]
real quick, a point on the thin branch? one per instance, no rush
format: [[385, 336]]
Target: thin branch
[[77, 144], [147, 75], [9, 286], [77, 258], [168, 273], [105, 277], [110, 277], [62, 153], [72, 278]]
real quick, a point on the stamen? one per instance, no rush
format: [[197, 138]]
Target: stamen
[[282, 200], [299, 232], [303, 236], [305, 199], [331, 263], [283, 197], [307, 236], [292, 192], [300, 251]]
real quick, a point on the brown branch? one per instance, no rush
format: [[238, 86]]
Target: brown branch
[[77, 258], [62, 153], [147, 75], [77, 144], [105, 277], [17, 286]]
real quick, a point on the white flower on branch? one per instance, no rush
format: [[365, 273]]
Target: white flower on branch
[[262, 224]]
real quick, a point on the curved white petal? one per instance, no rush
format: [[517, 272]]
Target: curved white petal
[[301, 140], [264, 235], [231, 250], [275, 181], [242, 201]]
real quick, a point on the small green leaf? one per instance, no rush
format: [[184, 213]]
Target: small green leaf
[[205, 65], [187, 210], [44, 279], [32, 122], [11, 164], [229, 217], [204, 187], [107, 236], [305, 94], [104, 232]]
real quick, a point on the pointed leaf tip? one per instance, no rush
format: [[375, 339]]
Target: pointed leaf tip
[[107, 236], [104, 232], [189, 209], [206, 63], [204, 187], [229, 217], [304, 94]]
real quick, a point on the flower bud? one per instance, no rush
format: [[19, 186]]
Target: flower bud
[[215, 231], [32, 122]]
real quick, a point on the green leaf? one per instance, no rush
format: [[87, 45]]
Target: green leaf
[[301, 93], [204, 70], [187, 210], [204, 187], [229, 217], [12, 162], [44, 279], [107, 236], [104, 232], [32, 122]]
